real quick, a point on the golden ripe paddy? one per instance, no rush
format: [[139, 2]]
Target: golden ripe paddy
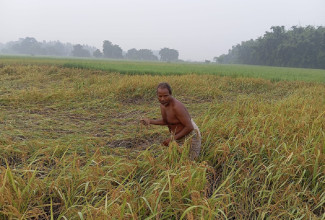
[[71, 146]]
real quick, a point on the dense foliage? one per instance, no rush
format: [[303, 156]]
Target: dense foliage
[[79, 51], [30, 46], [168, 55], [112, 50], [142, 54], [297, 47]]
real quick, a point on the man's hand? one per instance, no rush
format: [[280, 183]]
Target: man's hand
[[145, 121], [166, 142]]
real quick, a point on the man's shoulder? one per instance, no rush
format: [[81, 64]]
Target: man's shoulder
[[178, 105]]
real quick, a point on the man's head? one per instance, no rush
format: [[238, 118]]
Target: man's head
[[164, 93], [164, 85]]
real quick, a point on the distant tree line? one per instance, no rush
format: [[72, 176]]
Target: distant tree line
[[297, 47], [30, 46], [142, 54]]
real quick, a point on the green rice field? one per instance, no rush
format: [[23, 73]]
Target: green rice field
[[162, 68]]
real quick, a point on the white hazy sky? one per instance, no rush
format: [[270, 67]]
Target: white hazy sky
[[198, 29]]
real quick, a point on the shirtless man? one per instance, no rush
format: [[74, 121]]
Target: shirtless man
[[176, 117]]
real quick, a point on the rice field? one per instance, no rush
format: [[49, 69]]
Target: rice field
[[162, 68], [71, 146]]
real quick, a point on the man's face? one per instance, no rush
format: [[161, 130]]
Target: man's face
[[163, 96]]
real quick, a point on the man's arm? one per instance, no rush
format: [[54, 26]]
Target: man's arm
[[147, 121], [154, 121], [185, 119], [162, 121]]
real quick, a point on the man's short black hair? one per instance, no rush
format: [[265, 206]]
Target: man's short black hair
[[165, 85]]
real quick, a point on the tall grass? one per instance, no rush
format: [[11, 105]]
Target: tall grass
[[71, 147]]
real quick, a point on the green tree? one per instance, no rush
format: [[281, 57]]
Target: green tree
[[142, 54], [28, 45], [97, 53], [132, 54], [297, 47], [146, 54], [54, 48], [169, 55], [112, 51], [78, 51]]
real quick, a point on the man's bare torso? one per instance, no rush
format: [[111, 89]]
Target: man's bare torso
[[170, 118]]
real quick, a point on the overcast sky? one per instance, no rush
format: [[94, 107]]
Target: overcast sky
[[198, 29]]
